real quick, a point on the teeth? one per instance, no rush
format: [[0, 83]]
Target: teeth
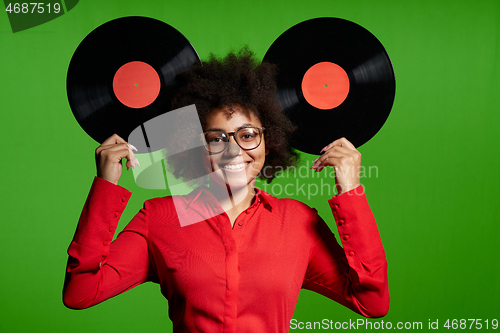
[[234, 166]]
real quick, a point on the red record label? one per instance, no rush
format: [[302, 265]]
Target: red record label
[[325, 85], [136, 84]]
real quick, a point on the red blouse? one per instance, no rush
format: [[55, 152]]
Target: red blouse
[[222, 279]]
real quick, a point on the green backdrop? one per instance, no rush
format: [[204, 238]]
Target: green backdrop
[[432, 187]]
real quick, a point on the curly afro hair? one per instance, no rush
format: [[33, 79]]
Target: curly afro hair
[[237, 79]]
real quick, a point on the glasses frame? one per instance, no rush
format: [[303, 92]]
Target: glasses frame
[[205, 144]]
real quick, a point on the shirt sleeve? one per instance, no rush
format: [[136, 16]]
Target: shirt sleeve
[[99, 268], [355, 275]]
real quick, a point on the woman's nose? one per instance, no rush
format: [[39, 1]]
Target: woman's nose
[[232, 148]]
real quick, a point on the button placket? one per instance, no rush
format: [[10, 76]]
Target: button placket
[[243, 220]]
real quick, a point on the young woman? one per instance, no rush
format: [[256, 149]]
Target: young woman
[[241, 266]]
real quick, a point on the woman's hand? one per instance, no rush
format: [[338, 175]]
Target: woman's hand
[[346, 159], [109, 155]]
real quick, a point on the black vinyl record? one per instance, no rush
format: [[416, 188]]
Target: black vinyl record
[[334, 80], [123, 74]]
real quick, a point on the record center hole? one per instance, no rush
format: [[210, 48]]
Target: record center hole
[[137, 84]]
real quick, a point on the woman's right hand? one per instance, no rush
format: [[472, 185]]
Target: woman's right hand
[[109, 155]]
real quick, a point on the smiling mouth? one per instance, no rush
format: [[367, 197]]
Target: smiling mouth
[[234, 166]]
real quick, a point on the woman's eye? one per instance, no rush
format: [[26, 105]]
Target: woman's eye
[[247, 136], [215, 137]]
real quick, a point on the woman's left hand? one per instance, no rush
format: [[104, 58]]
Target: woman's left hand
[[346, 159]]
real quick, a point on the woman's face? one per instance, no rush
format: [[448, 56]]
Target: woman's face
[[234, 167]]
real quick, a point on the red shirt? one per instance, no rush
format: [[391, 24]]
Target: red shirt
[[222, 279]]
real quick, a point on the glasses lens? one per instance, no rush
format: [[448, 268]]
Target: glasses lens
[[216, 141], [248, 138]]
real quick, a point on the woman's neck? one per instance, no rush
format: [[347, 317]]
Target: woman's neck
[[233, 199]]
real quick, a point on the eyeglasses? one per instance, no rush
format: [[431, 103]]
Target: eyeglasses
[[248, 138]]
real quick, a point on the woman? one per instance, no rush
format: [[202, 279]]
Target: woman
[[241, 266]]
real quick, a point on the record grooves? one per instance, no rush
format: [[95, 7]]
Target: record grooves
[[335, 79]]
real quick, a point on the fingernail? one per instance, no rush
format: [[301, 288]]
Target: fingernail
[[324, 148], [131, 146], [315, 160], [135, 162]]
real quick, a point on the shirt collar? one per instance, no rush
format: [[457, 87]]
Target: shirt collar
[[199, 193], [266, 198], [202, 193]]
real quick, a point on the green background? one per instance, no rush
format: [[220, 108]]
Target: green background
[[435, 195]]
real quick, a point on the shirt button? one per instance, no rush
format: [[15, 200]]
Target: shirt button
[[351, 253], [240, 223], [105, 243], [341, 223], [247, 211], [110, 229], [117, 214], [346, 237], [124, 199], [336, 207]]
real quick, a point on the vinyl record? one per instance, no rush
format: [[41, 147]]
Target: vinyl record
[[123, 74], [334, 79]]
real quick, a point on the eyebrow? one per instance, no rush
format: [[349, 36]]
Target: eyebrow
[[219, 129]]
